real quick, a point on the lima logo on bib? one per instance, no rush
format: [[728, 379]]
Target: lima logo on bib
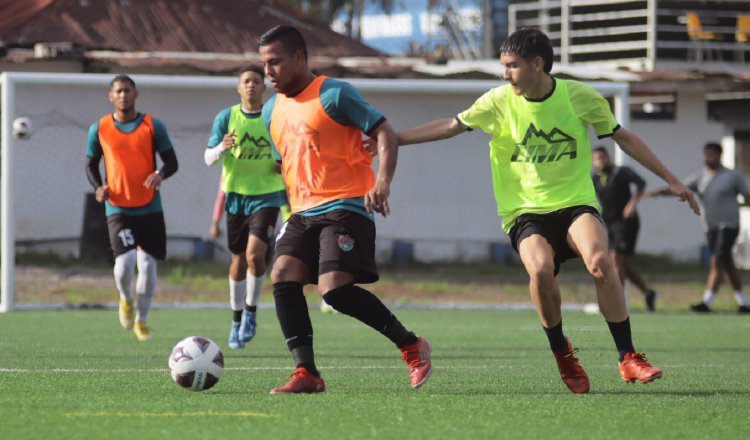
[[253, 148], [540, 147]]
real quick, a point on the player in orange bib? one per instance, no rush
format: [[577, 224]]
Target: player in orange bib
[[316, 125], [128, 141]]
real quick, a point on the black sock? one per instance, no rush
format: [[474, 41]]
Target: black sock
[[557, 341], [360, 304], [236, 315], [621, 334], [251, 308], [291, 309], [304, 357]]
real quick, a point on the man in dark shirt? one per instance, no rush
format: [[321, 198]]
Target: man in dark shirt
[[612, 184]]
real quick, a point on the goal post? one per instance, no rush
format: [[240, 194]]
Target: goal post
[[63, 106]]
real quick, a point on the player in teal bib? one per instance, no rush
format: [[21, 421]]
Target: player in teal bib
[[254, 193], [541, 159]]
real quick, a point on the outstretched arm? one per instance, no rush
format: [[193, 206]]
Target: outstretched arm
[[638, 150], [431, 131], [377, 199]]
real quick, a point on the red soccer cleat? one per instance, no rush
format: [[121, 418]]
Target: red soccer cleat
[[302, 382], [572, 373], [417, 357], [635, 367]]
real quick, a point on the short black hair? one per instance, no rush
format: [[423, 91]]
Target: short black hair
[[715, 146], [122, 78], [600, 149], [528, 43], [253, 68], [289, 36]]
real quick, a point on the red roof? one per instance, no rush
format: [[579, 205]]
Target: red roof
[[17, 11], [221, 26]]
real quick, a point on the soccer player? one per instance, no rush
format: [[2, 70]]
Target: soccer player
[[129, 141], [618, 203], [718, 188], [541, 160], [316, 124], [254, 193]]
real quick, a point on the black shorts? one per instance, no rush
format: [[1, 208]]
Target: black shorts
[[553, 226], [720, 241], [239, 227], [335, 241], [623, 235], [127, 232]]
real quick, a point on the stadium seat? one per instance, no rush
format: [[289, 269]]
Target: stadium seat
[[742, 36], [700, 39]]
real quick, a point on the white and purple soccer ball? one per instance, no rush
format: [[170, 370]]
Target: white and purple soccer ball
[[196, 363], [22, 128]]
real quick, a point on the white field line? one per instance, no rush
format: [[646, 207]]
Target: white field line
[[270, 306], [335, 367]]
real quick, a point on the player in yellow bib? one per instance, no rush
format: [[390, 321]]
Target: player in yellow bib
[[254, 192], [541, 160]]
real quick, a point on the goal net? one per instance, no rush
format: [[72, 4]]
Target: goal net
[[442, 202]]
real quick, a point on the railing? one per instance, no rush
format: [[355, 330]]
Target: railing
[[643, 32]]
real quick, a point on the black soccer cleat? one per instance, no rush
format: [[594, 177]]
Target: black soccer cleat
[[700, 308]]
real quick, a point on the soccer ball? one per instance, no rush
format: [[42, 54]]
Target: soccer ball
[[196, 363], [22, 128], [591, 308]]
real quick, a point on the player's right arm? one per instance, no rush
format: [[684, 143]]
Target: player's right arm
[[640, 184], [93, 157], [484, 114], [221, 139], [431, 131], [215, 230]]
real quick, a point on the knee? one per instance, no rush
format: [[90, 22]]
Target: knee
[[540, 271], [284, 271], [256, 264], [720, 261], [238, 261], [277, 273], [599, 265]]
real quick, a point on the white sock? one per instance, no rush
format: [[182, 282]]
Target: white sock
[[124, 269], [145, 285], [254, 288], [237, 294], [708, 297], [741, 298]]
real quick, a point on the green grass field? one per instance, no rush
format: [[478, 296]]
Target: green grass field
[[77, 374]]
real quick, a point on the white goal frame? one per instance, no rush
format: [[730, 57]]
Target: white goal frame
[[9, 81]]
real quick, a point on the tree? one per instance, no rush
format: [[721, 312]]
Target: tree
[[326, 11]]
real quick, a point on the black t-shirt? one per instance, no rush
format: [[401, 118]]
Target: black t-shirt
[[613, 190]]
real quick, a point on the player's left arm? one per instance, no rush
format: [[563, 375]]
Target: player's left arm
[[387, 146], [163, 146], [346, 105], [593, 109], [638, 150]]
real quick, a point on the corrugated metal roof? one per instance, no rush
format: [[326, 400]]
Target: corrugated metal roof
[[224, 26], [16, 11]]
